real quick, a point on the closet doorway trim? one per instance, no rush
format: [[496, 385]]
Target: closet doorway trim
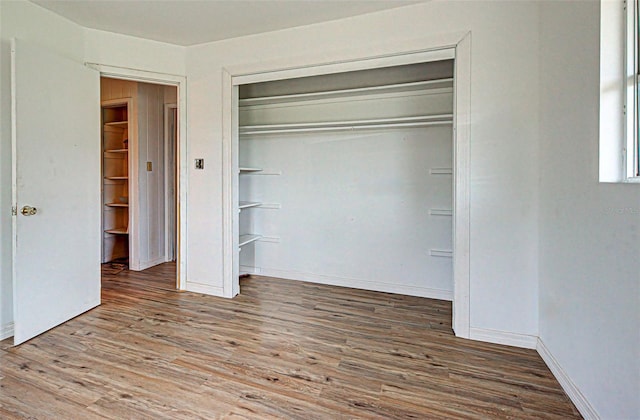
[[460, 50], [180, 82]]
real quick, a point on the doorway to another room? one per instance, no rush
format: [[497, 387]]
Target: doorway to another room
[[139, 178]]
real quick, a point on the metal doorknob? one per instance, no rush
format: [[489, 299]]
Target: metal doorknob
[[28, 211]]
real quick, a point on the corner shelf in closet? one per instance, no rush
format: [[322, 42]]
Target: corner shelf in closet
[[247, 239], [117, 231], [117, 124], [116, 168], [245, 169], [248, 204]]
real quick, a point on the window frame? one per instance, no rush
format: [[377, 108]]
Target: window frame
[[631, 162]]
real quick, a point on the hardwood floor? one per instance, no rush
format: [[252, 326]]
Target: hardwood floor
[[282, 349]]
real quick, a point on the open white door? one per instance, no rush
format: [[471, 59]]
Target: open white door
[[56, 171]]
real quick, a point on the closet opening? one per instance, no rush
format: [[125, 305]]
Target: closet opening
[[139, 176], [348, 179]]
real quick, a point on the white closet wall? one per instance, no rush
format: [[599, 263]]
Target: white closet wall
[[359, 207]]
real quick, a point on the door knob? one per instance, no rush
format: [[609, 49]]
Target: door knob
[[28, 211]]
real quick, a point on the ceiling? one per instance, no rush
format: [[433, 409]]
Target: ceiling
[[190, 22]]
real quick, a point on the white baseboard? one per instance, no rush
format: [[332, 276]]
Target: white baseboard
[[503, 337], [204, 289], [580, 401], [354, 283], [246, 269], [149, 264], [6, 330]]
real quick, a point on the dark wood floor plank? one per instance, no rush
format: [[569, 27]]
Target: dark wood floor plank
[[281, 349]]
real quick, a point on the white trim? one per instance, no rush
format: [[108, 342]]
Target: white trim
[[243, 75], [617, 80], [125, 73], [169, 173], [458, 45], [461, 189], [630, 90], [503, 337], [376, 286], [14, 175], [182, 182], [246, 269], [612, 120], [579, 400], [230, 196], [149, 264], [204, 289], [6, 331]]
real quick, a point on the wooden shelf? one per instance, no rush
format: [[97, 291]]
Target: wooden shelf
[[248, 204], [118, 231], [247, 239], [117, 124], [116, 131], [248, 169]]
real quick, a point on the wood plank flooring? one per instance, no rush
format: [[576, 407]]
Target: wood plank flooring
[[282, 349]]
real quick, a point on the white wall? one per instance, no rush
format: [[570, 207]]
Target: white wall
[[504, 188], [587, 236], [29, 22], [134, 53], [589, 232]]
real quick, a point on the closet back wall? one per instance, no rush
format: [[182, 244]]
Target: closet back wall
[[365, 208]]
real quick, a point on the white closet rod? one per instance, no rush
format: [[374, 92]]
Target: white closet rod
[[419, 121], [349, 123], [349, 127], [298, 96]]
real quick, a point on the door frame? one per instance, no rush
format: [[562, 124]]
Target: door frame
[[180, 82], [168, 175], [457, 46]]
